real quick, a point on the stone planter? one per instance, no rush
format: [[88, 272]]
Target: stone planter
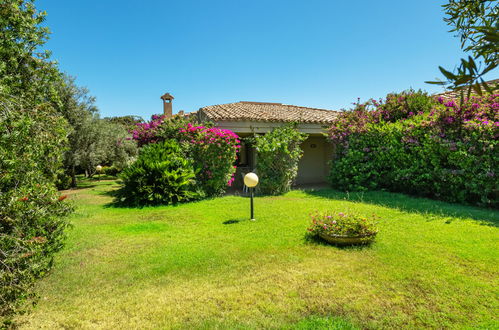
[[347, 240]]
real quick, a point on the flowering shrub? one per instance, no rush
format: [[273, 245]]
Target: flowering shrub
[[214, 153], [159, 129], [396, 107], [278, 155], [162, 174], [213, 150], [343, 224], [437, 148]]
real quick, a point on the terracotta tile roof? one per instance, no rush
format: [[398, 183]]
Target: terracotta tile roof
[[269, 112], [456, 93]]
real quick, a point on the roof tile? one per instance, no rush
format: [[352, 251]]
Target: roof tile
[[268, 112]]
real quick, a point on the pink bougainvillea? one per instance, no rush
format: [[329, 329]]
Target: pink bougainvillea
[[214, 151], [145, 133], [419, 144]]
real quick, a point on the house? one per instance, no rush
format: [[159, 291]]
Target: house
[[247, 118]]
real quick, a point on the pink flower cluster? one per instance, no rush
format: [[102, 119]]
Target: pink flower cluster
[[215, 149], [447, 117], [471, 113], [145, 133]]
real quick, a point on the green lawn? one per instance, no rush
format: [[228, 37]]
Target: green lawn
[[204, 265]]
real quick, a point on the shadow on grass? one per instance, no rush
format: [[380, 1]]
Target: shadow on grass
[[116, 203], [485, 216], [310, 239], [231, 221]]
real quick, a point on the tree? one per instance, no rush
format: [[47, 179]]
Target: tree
[[92, 141], [101, 142], [78, 107], [32, 211], [127, 121], [476, 22], [25, 70]]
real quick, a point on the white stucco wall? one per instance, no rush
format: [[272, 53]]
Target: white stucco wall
[[314, 164]]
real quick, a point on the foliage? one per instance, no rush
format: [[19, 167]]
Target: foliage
[[395, 107], [103, 143], [92, 140], [477, 25], [129, 122], [32, 218], [110, 170], [160, 128], [77, 107], [441, 149], [342, 224], [25, 70], [162, 174], [279, 152], [214, 152]]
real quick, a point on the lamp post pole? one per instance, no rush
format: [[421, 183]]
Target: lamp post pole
[[251, 180], [252, 212]]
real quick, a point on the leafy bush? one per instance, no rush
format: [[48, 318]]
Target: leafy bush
[[214, 152], [110, 170], [438, 149], [63, 181], [32, 213], [343, 224], [162, 174], [278, 155]]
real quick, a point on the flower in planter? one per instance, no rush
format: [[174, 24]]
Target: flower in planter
[[337, 227]]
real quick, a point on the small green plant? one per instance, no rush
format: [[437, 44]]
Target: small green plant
[[278, 155], [162, 174], [110, 170], [343, 224]]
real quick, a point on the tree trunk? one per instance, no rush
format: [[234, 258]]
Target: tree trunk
[[73, 176]]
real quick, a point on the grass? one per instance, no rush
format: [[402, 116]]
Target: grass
[[205, 265]]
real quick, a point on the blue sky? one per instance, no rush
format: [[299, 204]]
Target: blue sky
[[317, 53]]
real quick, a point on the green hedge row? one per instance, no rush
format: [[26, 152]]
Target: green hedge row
[[443, 149]]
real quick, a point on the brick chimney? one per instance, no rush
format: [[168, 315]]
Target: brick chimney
[[167, 105]]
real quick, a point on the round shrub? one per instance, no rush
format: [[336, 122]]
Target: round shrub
[[162, 174], [110, 170]]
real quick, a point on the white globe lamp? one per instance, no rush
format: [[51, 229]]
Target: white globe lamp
[[98, 168], [251, 180]]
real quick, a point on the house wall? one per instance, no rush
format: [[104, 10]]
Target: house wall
[[314, 164]]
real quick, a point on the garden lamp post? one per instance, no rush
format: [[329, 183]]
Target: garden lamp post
[[251, 180], [99, 169]]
